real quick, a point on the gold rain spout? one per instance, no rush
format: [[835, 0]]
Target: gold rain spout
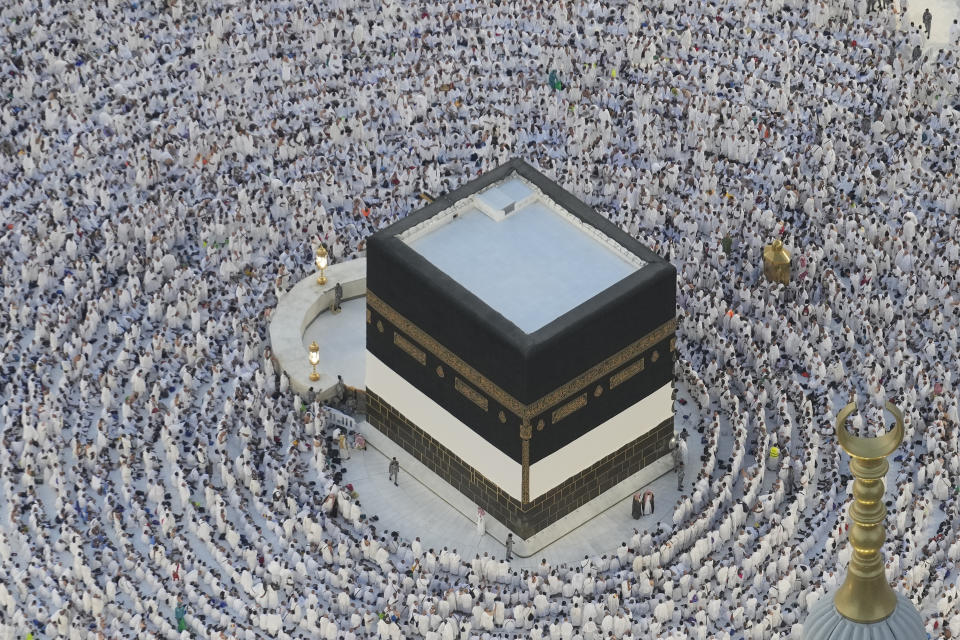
[[865, 595]]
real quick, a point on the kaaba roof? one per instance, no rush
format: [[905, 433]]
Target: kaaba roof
[[521, 252], [468, 294]]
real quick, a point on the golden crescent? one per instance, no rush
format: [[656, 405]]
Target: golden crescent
[[869, 448]]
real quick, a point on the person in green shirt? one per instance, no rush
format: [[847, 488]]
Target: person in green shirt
[[554, 80], [180, 613]]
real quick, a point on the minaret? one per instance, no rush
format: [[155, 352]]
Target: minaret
[[865, 606]]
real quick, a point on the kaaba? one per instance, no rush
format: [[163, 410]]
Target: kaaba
[[520, 346]]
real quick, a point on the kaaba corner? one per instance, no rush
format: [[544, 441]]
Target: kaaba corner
[[520, 346]]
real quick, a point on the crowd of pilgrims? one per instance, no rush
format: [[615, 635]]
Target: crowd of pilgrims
[[168, 168]]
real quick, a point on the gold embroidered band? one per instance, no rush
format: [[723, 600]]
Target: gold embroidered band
[[409, 347], [625, 374], [577, 403], [470, 393]]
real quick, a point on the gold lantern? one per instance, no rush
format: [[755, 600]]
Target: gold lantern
[[314, 358], [321, 261]]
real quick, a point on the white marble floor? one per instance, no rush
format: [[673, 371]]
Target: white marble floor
[[342, 341], [944, 12], [413, 509]]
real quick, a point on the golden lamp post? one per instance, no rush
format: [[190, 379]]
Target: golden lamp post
[[776, 262], [865, 595], [321, 261], [314, 358]]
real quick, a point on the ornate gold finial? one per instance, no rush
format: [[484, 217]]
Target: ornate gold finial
[[776, 262], [865, 595]]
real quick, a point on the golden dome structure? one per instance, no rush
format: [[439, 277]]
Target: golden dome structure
[[776, 262]]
